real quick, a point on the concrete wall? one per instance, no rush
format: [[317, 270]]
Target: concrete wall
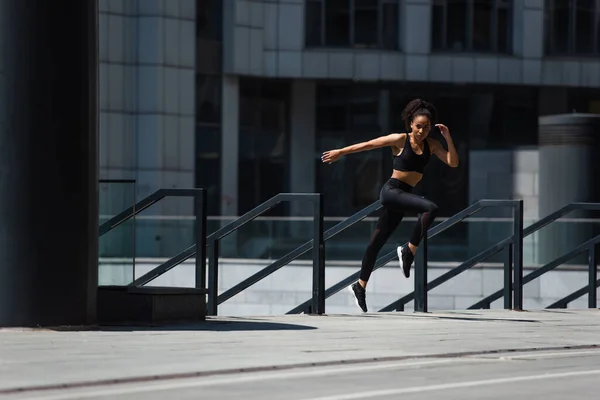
[[291, 285], [147, 52], [147, 62], [266, 38]]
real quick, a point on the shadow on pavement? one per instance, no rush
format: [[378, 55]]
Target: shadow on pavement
[[208, 325]]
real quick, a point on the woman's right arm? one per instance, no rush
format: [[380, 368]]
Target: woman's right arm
[[382, 141]]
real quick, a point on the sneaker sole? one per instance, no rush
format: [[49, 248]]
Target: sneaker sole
[[354, 297], [399, 252]]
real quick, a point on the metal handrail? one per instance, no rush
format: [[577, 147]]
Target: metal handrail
[[576, 206], [276, 265], [593, 282], [318, 299], [437, 229], [398, 305], [299, 251], [200, 211]]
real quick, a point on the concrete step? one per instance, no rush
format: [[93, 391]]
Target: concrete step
[[150, 305]]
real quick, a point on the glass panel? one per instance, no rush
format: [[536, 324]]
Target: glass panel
[[116, 264], [209, 21], [366, 26], [584, 26], [364, 108], [332, 107], [337, 23], [597, 33], [437, 32], [482, 25], [548, 18], [505, 12], [560, 26], [279, 235], [208, 138], [263, 136], [390, 26], [208, 95], [208, 164], [314, 21], [457, 25]]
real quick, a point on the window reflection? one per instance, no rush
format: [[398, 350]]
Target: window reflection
[[572, 27], [263, 142], [349, 114], [472, 25], [352, 23]]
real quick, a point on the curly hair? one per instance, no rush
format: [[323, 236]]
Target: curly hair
[[418, 107]]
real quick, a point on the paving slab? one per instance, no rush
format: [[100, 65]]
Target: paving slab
[[58, 358]]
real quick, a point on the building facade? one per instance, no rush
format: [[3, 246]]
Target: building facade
[[298, 77], [241, 97]]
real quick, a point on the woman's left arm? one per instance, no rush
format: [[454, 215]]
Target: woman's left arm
[[449, 157]]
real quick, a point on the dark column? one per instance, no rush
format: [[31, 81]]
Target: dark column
[[569, 166], [48, 162]]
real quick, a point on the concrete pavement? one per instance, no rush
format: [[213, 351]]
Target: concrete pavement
[[370, 355]]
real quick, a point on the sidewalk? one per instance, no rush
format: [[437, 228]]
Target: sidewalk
[[39, 357]]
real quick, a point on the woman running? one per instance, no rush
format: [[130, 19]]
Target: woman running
[[411, 154]]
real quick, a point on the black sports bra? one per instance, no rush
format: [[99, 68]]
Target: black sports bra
[[410, 161]]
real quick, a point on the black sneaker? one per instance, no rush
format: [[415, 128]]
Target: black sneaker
[[406, 257], [359, 294]]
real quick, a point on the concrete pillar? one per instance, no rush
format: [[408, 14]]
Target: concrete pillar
[[147, 52], [528, 30], [413, 17], [48, 162], [569, 167], [230, 145], [302, 138]]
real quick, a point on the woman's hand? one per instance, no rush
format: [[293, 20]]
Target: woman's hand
[[444, 130], [331, 156]]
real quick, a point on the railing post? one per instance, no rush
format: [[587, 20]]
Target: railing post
[[593, 271], [508, 277], [318, 295], [518, 255], [421, 277], [200, 211], [213, 277]]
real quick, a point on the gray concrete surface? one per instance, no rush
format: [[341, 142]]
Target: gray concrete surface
[[491, 354]]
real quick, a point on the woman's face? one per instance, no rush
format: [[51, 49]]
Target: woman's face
[[421, 126]]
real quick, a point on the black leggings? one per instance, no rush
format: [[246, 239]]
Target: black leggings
[[397, 200]]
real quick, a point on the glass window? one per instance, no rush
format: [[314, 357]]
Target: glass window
[[337, 23], [572, 27], [208, 98], [314, 23], [349, 114], [352, 23], [208, 138], [483, 25], [209, 19], [263, 141], [365, 19], [389, 21], [472, 25], [584, 26]]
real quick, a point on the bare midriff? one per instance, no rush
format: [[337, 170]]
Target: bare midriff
[[409, 177]]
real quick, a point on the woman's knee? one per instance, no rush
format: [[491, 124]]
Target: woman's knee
[[430, 213], [432, 208]]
